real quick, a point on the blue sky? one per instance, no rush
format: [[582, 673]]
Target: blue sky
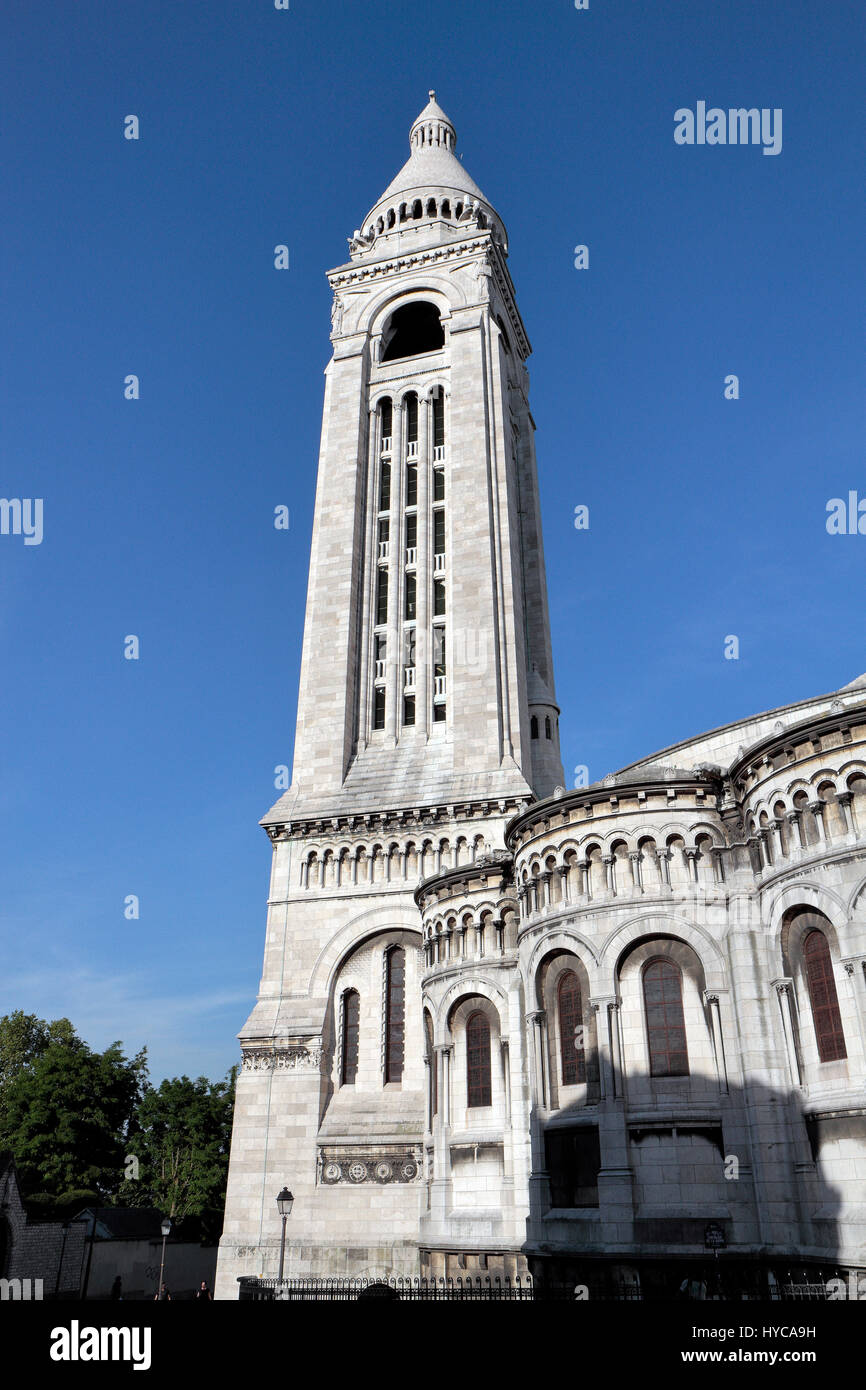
[[155, 257]]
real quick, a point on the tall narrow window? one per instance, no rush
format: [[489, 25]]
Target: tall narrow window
[[431, 1062], [384, 487], [478, 1060], [386, 422], [571, 1030], [395, 1009], [438, 420], [439, 532], [438, 484], [379, 707], [665, 1023], [411, 592], [438, 598], [382, 597], [411, 418], [533, 727], [823, 998], [411, 534], [351, 1026], [411, 484]]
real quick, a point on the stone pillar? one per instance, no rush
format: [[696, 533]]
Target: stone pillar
[[535, 1022], [691, 854], [424, 571], [605, 1067], [370, 570], [856, 977], [394, 667], [712, 1001], [784, 988]]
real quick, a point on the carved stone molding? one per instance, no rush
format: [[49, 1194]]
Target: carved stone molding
[[282, 1058], [380, 1165]]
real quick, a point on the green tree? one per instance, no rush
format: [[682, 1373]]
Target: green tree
[[66, 1111], [181, 1138], [24, 1038]]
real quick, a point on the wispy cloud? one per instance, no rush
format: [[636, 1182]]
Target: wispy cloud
[[138, 1011]]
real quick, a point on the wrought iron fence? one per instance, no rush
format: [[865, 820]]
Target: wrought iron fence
[[447, 1290]]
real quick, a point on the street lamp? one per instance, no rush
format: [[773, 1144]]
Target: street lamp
[[166, 1229], [284, 1207]]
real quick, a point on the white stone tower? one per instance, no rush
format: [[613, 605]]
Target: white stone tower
[[427, 718]]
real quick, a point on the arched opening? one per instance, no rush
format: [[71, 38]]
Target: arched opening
[[823, 997], [478, 1082], [395, 1013], [665, 1022], [571, 1040], [412, 329], [351, 1020]]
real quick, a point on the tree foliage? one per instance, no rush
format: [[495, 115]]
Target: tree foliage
[[65, 1110], [181, 1140]]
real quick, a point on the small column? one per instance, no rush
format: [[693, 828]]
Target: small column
[[664, 859], [583, 870], [845, 799], [691, 854], [545, 879], [817, 809], [565, 887], [796, 820], [784, 990], [712, 1002], [609, 862], [635, 858]]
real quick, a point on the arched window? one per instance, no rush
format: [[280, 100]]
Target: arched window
[[533, 727], [351, 1025], [412, 329], [478, 1059], [431, 1062], [395, 1011], [547, 732], [665, 1024], [823, 998], [571, 1030]]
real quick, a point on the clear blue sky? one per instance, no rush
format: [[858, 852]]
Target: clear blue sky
[[155, 257]]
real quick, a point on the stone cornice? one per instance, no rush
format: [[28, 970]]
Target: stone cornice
[[394, 821]]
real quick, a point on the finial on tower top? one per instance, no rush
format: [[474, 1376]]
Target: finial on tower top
[[432, 129]]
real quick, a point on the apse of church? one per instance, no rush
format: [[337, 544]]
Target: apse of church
[[503, 1027]]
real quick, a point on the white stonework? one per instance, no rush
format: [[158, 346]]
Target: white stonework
[[426, 845]]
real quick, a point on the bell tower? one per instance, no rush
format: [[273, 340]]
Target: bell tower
[[427, 717]]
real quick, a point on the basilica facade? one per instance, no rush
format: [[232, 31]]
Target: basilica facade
[[612, 1037]]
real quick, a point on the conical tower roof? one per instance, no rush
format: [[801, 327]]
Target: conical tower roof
[[432, 163]]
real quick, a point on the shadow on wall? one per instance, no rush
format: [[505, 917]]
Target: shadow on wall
[[673, 1188]]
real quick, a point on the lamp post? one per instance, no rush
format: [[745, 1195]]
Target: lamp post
[[165, 1228], [284, 1207]]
